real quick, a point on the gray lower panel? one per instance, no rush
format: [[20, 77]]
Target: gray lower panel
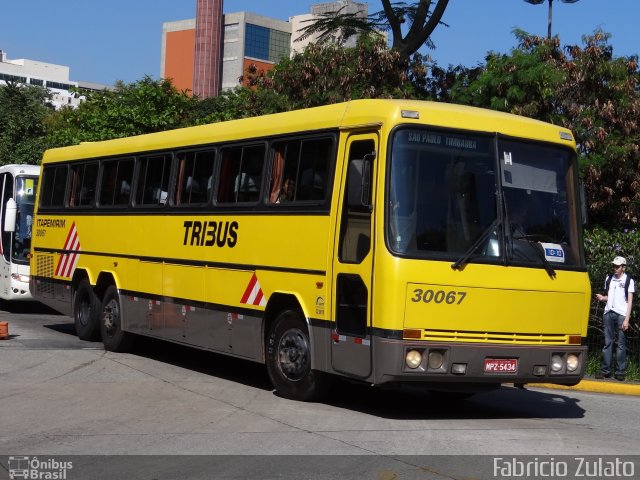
[[215, 330]]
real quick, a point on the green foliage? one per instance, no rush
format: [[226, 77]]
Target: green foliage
[[595, 357], [523, 82], [23, 111], [325, 74], [586, 90], [141, 107], [601, 246]]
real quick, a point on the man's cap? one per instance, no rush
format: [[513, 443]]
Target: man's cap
[[619, 261]]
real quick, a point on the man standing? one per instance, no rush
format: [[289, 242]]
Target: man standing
[[619, 289]]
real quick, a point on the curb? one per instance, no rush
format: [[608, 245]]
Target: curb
[[597, 386]]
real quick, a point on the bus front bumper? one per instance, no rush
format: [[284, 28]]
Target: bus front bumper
[[419, 361], [19, 288]]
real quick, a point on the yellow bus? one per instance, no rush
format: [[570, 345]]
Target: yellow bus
[[387, 241]]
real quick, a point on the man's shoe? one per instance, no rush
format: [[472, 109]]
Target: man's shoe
[[601, 375], [620, 376]]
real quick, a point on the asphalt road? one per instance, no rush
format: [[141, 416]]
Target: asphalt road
[[61, 396]]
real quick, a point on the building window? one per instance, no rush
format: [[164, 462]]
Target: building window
[[58, 85], [256, 42], [279, 45], [12, 78]]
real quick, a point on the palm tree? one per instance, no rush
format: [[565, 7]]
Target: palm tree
[[423, 21]]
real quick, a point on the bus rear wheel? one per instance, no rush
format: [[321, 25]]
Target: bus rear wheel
[[86, 312], [113, 337], [289, 359]]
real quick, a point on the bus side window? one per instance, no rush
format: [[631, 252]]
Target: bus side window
[[83, 184], [241, 174], [247, 183], [284, 171], [54, 186], [355, 231], [195, 177], [153, 180], [117, 176], [299, 170], [314, 163]]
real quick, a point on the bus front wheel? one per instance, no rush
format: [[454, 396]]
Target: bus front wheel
[[86, 312], [289, 359], [113, 337]]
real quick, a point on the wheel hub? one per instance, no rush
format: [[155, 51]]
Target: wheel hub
[[293, 354]]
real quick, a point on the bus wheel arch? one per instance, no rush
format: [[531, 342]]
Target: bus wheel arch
[[104, 281], [86, 307], [288, 352]]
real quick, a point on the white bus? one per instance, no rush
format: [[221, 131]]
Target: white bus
[[18, 184]]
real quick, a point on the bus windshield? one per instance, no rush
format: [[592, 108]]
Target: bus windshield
[[25, 201], [487, 199]]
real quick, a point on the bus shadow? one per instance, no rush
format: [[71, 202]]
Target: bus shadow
[[413, 404], [28, 307], [385, 402], [66, 328], [209, 363], [391, 403]]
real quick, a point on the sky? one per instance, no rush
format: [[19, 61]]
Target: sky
[[105, 41]]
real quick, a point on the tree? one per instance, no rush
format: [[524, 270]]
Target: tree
[[144, 106], [587, 90], [423, 21], [326, 73], [23, 113]]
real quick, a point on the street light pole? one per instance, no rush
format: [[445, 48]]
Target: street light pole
[[538, 2]]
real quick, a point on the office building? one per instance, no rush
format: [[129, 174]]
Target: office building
[[211, 53], [49, 75]]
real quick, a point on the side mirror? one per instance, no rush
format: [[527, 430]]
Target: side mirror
[[10, 216]]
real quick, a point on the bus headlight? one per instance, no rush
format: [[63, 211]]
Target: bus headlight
[[413, 359], [573, 362], [556, 363], [436, 359]]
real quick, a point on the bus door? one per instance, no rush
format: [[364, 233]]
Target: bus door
[[352, 268], [6, 192]]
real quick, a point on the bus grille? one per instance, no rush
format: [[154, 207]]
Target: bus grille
[[44, 272], [494, 337]]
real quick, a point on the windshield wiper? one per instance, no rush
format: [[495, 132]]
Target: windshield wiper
[[462, 261], [540, 251]]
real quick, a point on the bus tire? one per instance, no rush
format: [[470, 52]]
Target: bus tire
[[113, 337], [289, 359], [86, 312]]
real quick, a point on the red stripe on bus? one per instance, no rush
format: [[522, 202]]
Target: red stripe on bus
[[247, 292]]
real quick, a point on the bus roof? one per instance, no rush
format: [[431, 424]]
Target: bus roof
[[353, 114], [22, 169]]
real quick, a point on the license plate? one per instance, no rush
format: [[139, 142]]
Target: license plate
[[500, 365]]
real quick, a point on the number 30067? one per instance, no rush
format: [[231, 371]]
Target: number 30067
[[450, 297]]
